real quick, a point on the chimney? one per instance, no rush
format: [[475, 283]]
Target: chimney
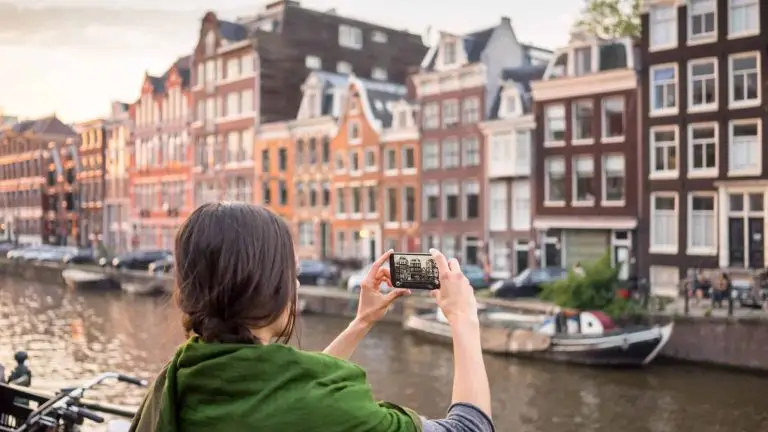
[[506, 20]]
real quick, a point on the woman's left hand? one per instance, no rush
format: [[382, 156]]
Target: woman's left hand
[[373, 303]]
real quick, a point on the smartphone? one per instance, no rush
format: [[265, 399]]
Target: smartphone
[[414, 270]]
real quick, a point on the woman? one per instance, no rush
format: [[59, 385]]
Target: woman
[[722, 291], [236, 276]]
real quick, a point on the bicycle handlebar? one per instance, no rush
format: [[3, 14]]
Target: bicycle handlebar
[[132, 380], [86, 413]]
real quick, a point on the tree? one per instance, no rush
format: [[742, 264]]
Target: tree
[[611, 18]]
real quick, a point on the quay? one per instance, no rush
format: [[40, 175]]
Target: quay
[[701, 336]]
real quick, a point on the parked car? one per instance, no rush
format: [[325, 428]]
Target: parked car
[[6, 247], [355, 280], [745, 295], [477, 277], [79, 256], [52, 254], [162, 266], [138, 260], [16, 252], [528, 283], [32, 253], [320, 273]]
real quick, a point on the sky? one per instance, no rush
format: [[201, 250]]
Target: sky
[[73, 57]]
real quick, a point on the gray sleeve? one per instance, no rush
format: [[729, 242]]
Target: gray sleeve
[[461, 417]]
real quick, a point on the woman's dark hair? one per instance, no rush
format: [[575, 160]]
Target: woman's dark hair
[[235, 270]]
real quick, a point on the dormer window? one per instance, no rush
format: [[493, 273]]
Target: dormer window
[[210, 43], [449, 53], [560, 68], [402, 118], [582, 61], [312, 105], [510, 104]]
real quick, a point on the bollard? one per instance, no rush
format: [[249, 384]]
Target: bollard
[[730, 302]]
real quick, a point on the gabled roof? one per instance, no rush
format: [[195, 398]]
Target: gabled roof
[[45, 126], [520, 77], [377, 98]]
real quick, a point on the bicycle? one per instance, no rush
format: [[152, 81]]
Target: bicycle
[[65, 411]]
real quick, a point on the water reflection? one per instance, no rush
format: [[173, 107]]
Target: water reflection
[[70, 335]]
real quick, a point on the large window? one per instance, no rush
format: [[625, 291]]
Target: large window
[[430, 156], [702, 22], [450, 201], [431, 201], [613, 120], [702, 84], [583, 179], [664, 236], [583, 114], [664, 152], [430, 116], [350, 37], [450, 112], [583, 60], [470, 151], [702, 224], [743, 17], [614, 179], [702, 153], [663, 88], [451, 155], [555, 180], [663, 23], [471, 192], [744, 154], [554, 123], [390, 205], [409, 204], [744, 79], [498, 212], [521, 205]]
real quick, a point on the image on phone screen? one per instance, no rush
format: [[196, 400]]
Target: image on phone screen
[[414, 270]]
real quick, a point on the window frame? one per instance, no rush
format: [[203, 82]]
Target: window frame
[[604, 138], [745, 33], [712, 106], [575, 201], [665, 111], [701, 250], [547, 182], [703, 38], [708, 171], [652, 22], [747, 103], [759, 145], [667, 249], [668, 174], [576, 140], [547, 141], [604, 201]]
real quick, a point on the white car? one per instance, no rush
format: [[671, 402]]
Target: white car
[[356, 279]]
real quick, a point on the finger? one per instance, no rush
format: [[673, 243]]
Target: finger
[[440, 261], [394, 294], [453, 264], [435, 294], [384, 272], [379, 262]]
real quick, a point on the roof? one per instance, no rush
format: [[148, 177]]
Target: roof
[[520, 77], [379, 95], [183, 65], [50, 125], [232, 31]]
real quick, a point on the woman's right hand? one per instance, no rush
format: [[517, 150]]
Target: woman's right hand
[[456, 297]]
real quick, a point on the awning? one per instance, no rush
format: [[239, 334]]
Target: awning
[[584, 222]]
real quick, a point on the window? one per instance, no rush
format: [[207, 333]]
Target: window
[[350, 37], [451, 154], [409, 158], [326, 194], [702, 84], [470, 151], [267, 193], [431, 156], [313, 62], [583, 179], [470, 110], [306, 234], [664, 152], [663, 88], [664, 236], [354, 162], [613, 118], [498, 212], [340, 245], [582, 112], [702, 141], [282, 159], [344, 68], [409, 210], [451, 201], [701, 19], [743, 17], [702, 224], [378, 73], [353, 131], [339, 162], [450, 113], [613, 179], [265, 161], [510, 104], [449, 52], [390, 161], [326, 150], [523, 151], [583, 64], [744, 152], [372, 200], [283, 190], [357, 201], [471, 200], [744, 79], [554, 123], [312, 194], [370, 160], [521, 205], [431, 202], [379, 36], [430, 118], [555, 180], [663, 23], [390, 205]]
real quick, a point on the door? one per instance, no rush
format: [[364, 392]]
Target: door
[[552, 255], [621, 260], [736, 253], [521, 260], [756, 243]]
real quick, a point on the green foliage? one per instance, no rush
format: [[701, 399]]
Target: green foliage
[[595, 290], [611, 18]]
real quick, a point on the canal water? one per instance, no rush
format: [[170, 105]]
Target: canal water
[[70, 336]]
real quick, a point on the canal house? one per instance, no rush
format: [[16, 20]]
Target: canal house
[[584, 190], [705, 156]]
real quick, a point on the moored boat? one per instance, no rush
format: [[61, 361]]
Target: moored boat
[[590, 338], [80, 279]]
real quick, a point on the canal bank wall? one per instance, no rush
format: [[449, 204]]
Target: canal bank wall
[[733, 342]]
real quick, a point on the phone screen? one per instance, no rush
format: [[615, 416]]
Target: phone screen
[[414, 270]]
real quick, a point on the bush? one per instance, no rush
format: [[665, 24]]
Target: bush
[[595, 290]]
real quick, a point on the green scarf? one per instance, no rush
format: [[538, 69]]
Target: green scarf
[[233, 387]]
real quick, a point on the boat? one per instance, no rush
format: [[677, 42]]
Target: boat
[[588, 337], [81, 279]]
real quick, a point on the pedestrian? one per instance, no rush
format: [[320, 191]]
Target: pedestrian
[[722, 290], [21, 375]]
